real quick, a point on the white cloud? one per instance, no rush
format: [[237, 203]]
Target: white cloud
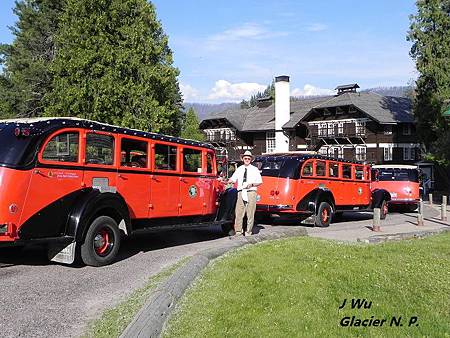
[[246, 31], [317, 27], [310, 90], [188, 92], [224, 90]]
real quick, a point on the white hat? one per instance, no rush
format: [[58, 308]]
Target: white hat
[[247, 153]]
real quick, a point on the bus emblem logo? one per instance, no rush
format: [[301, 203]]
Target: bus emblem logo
[[360, 191], [192, 191]]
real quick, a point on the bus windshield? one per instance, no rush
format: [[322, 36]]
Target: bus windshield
[[278, 167], [396, 174]]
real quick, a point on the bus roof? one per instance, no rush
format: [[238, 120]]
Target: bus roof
[[303, 156], [394, 166], [43, 124]]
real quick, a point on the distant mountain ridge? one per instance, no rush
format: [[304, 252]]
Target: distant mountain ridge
[[205, 110]]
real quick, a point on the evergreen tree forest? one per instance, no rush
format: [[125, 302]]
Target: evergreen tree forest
[[191, 127], [105, 60], [430, 35], [253, 101]]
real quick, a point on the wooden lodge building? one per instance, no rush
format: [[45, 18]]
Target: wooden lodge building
[[351, 125]]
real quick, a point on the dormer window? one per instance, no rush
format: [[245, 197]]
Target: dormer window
[[406, 129]]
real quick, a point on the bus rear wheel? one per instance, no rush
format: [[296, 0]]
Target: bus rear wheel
[[324, 215], [101, 243]]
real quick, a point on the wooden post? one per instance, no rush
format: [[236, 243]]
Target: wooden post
[[420, 214], [444, 208], [430, 198], [376, 220]]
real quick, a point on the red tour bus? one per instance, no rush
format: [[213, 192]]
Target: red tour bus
[[304, 185], [77, 186], [401, 181]]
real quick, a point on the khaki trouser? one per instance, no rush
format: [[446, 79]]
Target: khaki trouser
[[245, 208]]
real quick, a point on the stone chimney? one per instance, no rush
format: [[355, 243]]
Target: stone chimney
[[282, 112]]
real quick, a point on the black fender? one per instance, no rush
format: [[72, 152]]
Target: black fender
[[378, 196], [93, 204], [311, 201], [227, 204]]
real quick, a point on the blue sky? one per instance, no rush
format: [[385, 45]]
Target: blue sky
[[228, 50]]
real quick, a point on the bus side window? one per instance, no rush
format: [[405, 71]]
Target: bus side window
[[346, 171], [62, 148], [133, 153], [99, 149], [334, 169], [165, 157], [320, 168], [307, 169], [209, 163], [359, 173], [192, 160]]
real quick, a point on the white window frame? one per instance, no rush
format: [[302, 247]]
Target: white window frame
[[341, 152], [322, 129], [408, 153], [340, 128], [330, 129], [387, 153], [361, 153], [270, 142], [360, 128]]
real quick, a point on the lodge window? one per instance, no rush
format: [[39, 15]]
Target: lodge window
[[270, 141], [62, 148], [99, 149], [346, 171], [408, 153], [322, 129], [340, 128], [133, 153], [165, 157], [387, 153], [360, 153], [360, 128], [209, 163], [192, 160], [407, 129], [307, 169], [334, 169], [320, 168], [359, 173], [330, 129]]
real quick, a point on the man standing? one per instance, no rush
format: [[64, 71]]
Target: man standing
[[248, 178]]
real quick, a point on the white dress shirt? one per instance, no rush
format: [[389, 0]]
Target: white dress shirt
[[253, 176]]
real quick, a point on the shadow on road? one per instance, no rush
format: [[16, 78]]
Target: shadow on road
[[130, 246]]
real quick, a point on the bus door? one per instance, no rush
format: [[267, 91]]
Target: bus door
[[133, 181], [55, 182], [100, 171], [209, 183], [192, 190], [164, 181], [334, 182], [362, 186], [347, 185]]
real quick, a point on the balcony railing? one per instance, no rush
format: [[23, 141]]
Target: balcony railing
[[330, 132]]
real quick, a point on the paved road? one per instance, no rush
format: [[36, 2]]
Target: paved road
[[40, 299]]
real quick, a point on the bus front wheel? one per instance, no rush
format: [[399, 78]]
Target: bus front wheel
[[324, 215], [101, 243]]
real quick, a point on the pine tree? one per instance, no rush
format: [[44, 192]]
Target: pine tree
[[113, 64], [26, 76], [191, 127], [430, 35]]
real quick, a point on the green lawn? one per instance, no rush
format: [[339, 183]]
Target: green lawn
[[294, 287], [115, 320]]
